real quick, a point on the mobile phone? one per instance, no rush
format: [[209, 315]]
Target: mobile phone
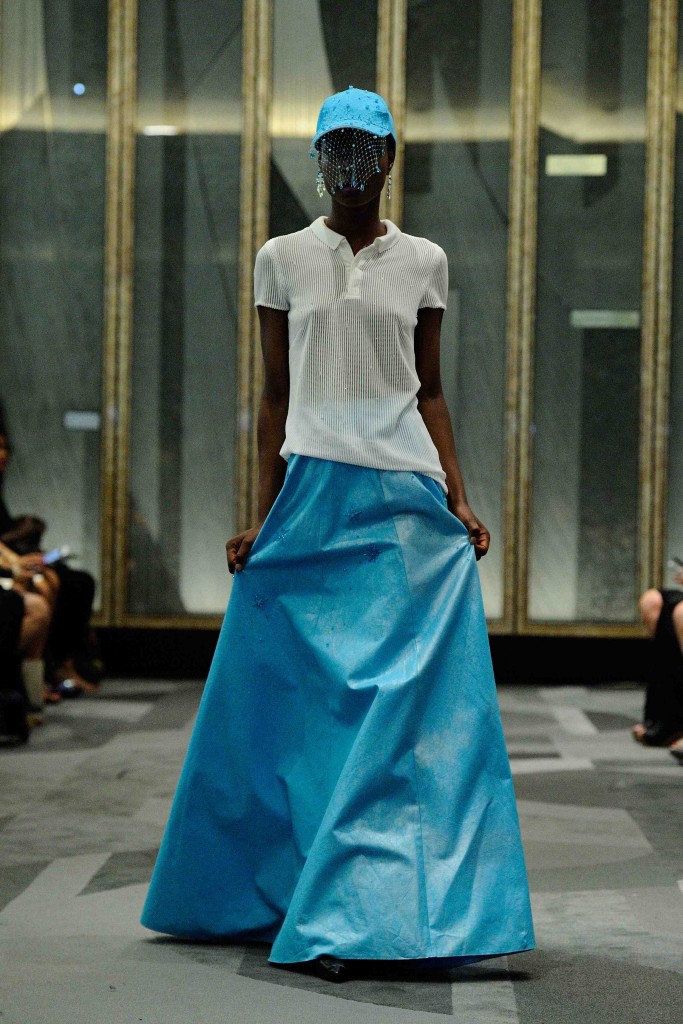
[[56, 555]]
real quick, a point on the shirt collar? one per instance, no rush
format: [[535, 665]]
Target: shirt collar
[[333, 238]]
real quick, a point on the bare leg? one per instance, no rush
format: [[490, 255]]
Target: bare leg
[[33, 636], [677, 615], [650, 607], [48, 586], [35, 626]]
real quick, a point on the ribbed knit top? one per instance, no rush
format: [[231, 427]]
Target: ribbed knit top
[[353, 383]]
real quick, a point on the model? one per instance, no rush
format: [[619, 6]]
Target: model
[[346, 794]]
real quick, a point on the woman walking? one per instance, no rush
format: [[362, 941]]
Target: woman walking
[[346, 794]]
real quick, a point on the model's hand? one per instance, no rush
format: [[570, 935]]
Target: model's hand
[[238, 548], [479, 535]]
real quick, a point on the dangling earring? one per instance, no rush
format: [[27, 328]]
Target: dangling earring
[[320, 184], [388, 186]]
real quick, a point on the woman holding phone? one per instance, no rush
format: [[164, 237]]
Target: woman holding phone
[[73, 666]]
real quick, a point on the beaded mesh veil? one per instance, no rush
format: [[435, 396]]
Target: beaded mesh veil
[[349, 157]]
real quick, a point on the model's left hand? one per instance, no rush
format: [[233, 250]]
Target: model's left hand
[[479, 535]]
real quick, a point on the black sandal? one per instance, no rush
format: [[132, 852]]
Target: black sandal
[[332, 969]]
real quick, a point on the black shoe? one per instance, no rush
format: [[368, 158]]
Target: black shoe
[[661, 735], [332, 969]]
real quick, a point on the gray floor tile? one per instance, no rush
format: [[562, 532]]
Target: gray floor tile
[[126, 868], [379, 985], [82, 812], [593, 989], [15, 878]]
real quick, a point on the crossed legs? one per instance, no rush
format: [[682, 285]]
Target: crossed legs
[[663, 722]]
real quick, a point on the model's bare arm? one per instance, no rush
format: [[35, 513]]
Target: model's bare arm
[[270, 429], [434, 411]]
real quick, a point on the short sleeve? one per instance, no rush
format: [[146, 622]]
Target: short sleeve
[[269, 286], [436, 293]]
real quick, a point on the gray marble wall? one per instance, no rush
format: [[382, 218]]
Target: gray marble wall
[[185, 307], [583, 553], [674, 537]]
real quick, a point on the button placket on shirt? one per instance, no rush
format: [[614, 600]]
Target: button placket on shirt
[[354, 268]]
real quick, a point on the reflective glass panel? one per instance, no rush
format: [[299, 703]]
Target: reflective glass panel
[[456, 193], [674, 518], [182, 482], [53, 79], [583, 531], [319, 47]]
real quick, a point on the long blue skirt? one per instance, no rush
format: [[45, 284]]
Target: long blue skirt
[[347, 789]]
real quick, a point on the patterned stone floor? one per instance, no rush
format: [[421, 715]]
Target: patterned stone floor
[[82, 810]]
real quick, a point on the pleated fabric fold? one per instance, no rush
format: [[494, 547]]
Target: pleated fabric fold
[[346, 789]]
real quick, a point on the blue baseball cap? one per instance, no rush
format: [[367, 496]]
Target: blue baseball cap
[[354, 108]]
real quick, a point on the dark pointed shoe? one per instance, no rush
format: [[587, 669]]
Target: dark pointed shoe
[[332, 969], [661, 735]]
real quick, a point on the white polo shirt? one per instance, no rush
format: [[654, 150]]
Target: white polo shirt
[[353, 383]]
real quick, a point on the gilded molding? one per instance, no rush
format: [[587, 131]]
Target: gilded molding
[[649, 297], [254, 205], [117, 342], [109, 342], [662, 183], [124, 304], [525, 102], [392, 18], [188, 621], [606, 630]]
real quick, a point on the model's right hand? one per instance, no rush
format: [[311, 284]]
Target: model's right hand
[[238, 548]]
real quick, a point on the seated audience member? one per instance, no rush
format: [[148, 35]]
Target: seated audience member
[[36, 600], [71, 654], [662, 613], [72, 644]]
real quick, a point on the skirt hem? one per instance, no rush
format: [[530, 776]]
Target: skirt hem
[[416, 961]]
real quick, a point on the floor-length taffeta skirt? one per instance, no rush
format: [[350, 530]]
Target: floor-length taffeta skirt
[[347, 788]]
